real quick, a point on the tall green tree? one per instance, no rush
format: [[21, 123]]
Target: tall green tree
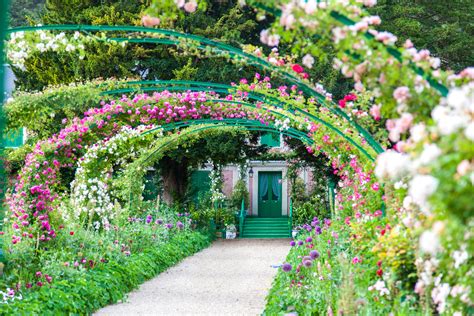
[[446, 28]]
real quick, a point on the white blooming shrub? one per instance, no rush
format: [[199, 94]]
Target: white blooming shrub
[[93, 199]]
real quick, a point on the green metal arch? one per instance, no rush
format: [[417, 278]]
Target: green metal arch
[[252, 125], [442, 89], [207, 86], [206, 124], [208, 43]]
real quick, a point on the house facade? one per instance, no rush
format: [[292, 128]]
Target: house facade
[[267, 181]]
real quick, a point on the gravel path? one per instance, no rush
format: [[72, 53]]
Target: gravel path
[[231, 277]]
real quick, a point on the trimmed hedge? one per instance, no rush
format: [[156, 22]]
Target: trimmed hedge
[[108, 284]]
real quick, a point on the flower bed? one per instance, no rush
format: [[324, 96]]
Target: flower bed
[[363, 266], [89, 289]]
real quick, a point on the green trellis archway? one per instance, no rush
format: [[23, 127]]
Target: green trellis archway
[[170, 37], [180, 130], [268, 102]]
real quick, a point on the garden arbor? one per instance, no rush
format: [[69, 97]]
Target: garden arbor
[[318, 115]]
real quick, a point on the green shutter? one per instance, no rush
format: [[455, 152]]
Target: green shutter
[[14, 138], [151, 190], [270, 139], [200, 184]]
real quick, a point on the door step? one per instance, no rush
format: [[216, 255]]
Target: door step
[[257, 227]]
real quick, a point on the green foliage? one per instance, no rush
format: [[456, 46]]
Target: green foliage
[[23, 12], [445, 28], [86, 291], [333, 283], [240, 193], [42, 113]]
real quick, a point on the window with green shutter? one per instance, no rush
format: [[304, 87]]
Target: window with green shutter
[[270, 139]]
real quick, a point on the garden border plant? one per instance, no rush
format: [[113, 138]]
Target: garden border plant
[[426, 176]]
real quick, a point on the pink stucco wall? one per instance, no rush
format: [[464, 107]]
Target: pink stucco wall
[[228, 182]]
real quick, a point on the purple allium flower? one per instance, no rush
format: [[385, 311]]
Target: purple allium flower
[[292, 243], [286, 267], [159, 221], [318, 230], [327, 222], [314, 254], [169, 225], [309, 239], [307, 263], [180, 225], [300, 242], [149, 219]]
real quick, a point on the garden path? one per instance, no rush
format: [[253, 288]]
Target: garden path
[[231, 277]]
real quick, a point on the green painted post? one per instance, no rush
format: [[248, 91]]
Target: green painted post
[[4, 4], [332, 205]]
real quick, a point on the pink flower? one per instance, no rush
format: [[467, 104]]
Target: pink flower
[[149, 21], [356, 260], [378, 213], [375, 111], [463, 167], [375, 186], [401, 94], [190, 6]]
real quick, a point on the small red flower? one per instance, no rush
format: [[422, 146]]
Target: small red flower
[[297, 68], [71, 233], [379, 263], [305, 75], [379, 272], [382, 232], [350, 97], [342, 103], [39, 283]]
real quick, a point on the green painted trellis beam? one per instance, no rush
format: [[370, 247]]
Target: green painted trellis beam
[[253, 125], [208, 87], [442, 89], [221, 47]]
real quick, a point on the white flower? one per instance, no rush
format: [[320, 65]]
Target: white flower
[[421, 187], [418, 132], [428, 155], [310, 6], [41, 47], [439, 295], [380, 286], [392, 165], [460, 256], [429, 242], [308, 61], [469, 131]]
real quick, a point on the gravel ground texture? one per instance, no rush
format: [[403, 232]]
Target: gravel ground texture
[[231, 277]]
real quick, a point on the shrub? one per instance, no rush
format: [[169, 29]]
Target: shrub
[[86, 292]]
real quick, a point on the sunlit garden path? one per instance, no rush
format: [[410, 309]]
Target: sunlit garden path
[[228, 278]]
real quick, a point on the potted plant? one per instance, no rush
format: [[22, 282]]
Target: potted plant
[[231, 231]]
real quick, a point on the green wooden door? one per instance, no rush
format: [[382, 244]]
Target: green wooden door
[[269, 194]]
